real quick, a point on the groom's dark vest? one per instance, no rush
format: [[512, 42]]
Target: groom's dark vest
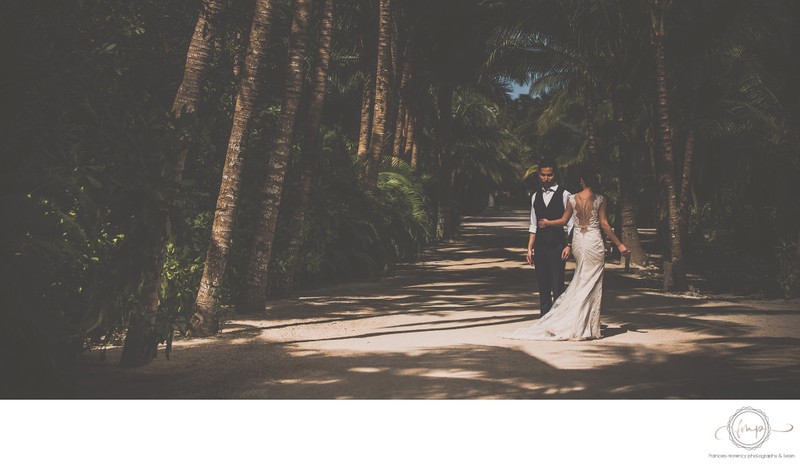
[[549, 237]]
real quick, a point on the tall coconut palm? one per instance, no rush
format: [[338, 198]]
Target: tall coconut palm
[[365, 128], [628, 224], [486, 147], [198, 59], [667, 171], [707, 41], [401, 120], [624, 72], [258, 266], [409, 137], [141, 339], [381, 94], [311, 146], [451, 57], [444, 162], [204, 321], [767, 91]]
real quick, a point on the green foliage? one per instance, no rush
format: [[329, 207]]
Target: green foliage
[[92, 150], [350, 234], [405, 217], [487, 154], [183, 268]]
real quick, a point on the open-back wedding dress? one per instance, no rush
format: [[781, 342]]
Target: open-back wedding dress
[[575, 315]]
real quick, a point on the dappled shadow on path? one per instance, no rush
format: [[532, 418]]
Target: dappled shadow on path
[[722, 369], [431, 332]]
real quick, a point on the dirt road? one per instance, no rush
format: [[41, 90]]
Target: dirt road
[[431, 332]]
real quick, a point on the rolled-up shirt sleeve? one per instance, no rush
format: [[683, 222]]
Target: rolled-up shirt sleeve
[[532, 228]]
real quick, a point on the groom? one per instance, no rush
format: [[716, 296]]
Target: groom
[[548, 248]]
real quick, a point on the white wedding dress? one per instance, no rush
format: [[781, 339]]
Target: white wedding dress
[[575, 315]]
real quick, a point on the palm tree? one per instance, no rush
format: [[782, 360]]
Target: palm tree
[[367, 102], [444, 162], [311, 146], [708, 41], [141, 340], [556, 45], [487, 149], [627, 194], [667, 170], [624, 72], [381, 94], [198, 59], [451, 58], [258, 267], [767, 95], [401, 119], [204, 320]]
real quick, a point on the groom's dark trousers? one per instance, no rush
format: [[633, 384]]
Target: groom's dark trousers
[[547, 248], [550, 274]]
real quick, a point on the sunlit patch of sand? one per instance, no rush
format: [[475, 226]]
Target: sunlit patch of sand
[[442, 373], [444, 284], [301, 382], [368, 370]]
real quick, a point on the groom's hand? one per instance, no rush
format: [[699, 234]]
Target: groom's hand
[[565, 253], [529, 257]]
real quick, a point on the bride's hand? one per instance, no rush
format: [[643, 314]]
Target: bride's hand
[[543, 223], [623, 250]]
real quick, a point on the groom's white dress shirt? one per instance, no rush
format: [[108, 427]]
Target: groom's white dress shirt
[[547, 195]]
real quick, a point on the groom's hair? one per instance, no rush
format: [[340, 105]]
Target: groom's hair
[[547, 164]]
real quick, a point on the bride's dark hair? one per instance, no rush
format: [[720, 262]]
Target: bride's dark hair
[[590, 177]]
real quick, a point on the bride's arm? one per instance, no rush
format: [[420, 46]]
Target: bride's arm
[[608, 230], [558, 222]]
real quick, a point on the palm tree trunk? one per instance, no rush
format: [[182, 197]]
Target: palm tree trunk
[[238, 60], [445, 168], [409, 136], [311, 149], [141, 340], [392, 111], [198, 59], [668, 164], [399, 141], [382, 82], [410, 112], [367, 102], [591, 130], [400, 124], [258, 266], [414, 154], [630, 232], [204, 321], [404, 144], [688, 160], [394, 52]]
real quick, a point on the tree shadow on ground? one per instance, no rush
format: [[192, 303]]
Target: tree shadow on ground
[[730, 368], [347, 341]]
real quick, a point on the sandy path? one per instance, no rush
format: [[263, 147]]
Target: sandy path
[[431, 332]]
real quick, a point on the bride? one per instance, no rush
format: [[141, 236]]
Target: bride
[[575, 315]]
